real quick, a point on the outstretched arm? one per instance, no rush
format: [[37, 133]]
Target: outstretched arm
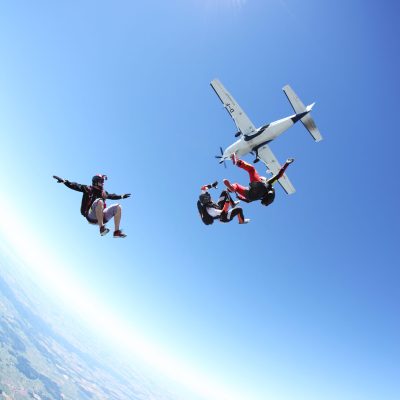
[[71, 185], [113, 196], [204, 188], [58, 179], [279, 175]]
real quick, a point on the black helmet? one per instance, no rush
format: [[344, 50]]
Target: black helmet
[[98, 180], [205, 198], [269, 197]]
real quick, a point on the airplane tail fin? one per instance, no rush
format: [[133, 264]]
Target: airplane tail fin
[[300, 108]]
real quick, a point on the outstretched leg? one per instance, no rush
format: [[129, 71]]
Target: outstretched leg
[[225, 197], [253, 174], [235, 187], [228, 216], [241, 218], [242, 191], [281, 171]]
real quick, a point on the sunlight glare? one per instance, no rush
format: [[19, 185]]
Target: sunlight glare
[[51, 271]]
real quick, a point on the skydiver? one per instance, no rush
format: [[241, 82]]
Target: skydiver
[[260, 188], [210, 211], [93, 206]]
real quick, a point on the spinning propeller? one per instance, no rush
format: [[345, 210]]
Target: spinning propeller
[[221, 158]]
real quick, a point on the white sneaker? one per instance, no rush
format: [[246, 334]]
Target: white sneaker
[[104, 230]]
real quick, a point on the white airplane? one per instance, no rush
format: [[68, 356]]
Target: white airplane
[[255, 140]]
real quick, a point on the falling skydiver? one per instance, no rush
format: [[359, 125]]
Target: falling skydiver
[[93, 206], [210, 211], [260, 188]]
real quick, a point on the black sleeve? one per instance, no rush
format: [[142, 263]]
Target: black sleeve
[[113, 196], [76, 186]]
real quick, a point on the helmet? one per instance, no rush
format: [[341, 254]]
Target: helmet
[[269, 197], [205, 198], [98, 180]]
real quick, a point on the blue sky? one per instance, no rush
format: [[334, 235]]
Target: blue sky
[[302, 303]]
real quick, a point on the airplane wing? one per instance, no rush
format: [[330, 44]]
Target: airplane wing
[[267, 157], [241, 120]]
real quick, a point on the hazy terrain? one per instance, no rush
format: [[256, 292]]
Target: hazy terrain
[[43, 357]]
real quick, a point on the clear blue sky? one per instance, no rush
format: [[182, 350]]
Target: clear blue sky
[[302, 303]]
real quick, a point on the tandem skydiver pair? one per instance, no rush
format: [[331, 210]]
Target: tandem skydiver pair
[[260, 188]]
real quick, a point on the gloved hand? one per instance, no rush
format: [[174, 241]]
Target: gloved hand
[[126, 195], [289, 160], [59, 180], [215, 184]]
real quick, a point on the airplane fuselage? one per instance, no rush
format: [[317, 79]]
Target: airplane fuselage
[[263, 135]]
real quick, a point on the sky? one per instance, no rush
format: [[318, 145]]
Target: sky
[[301, 303]]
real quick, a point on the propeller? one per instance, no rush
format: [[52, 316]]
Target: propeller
[[221, 158]]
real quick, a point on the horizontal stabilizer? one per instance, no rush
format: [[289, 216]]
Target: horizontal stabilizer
[[309, 123], [299, 108], [294, 100]]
